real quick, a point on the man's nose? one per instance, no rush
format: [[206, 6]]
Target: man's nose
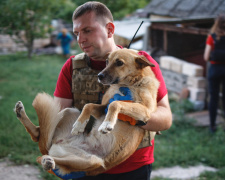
[[80, 38]]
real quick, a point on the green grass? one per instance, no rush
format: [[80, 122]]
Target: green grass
[[186, 145], [21, 79]]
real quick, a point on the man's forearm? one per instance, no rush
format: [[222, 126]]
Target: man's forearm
[[64, 103], [161, 119]]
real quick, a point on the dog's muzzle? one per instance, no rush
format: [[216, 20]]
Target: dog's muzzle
[[106, 79], [101, 76]]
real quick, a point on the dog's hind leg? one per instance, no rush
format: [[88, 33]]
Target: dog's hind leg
[[47, 162], [71, 163], [33, 130]]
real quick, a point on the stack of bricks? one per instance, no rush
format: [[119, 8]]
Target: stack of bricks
[[179, 74], [8, 45]]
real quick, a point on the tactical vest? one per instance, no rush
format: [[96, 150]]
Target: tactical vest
[[85, 85], [87, 89], [218, 54]]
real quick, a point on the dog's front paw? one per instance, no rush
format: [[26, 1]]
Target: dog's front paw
[[106, 127], [47, 163], [19, 108], [78, 128]]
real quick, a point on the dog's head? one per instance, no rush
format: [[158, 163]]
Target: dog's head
[[122, 64]]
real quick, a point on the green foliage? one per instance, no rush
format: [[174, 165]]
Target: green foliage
[[219, 175], [29, 19], [186, 145], [26, 20], [65, 12], [21, 79]]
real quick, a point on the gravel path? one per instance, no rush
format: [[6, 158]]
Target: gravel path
[[9, 171], [180, 173]]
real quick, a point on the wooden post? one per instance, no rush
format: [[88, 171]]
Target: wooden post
[[165, 40]]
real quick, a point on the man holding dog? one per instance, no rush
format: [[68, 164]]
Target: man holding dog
[[94, 28]]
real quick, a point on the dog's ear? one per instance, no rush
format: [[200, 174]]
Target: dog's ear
[[142, 62]]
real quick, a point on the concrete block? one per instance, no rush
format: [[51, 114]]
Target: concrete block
[[174, 81], [165, 61], [190, 69], [176, 65], [196, 82], [197, 94]]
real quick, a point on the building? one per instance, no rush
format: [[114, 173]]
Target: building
[[179, 27]]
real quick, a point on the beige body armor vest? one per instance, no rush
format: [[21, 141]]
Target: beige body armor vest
[[87, 89], [85, 85]]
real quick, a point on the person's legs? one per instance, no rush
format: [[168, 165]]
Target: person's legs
[[214, 84], [98, 177], [223, 92], [143, 173]]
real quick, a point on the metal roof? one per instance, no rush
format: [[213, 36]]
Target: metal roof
[[186, 8], [127, 28]]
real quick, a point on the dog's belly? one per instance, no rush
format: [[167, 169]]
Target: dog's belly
[[94, 143]]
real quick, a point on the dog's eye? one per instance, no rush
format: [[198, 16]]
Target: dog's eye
[[119, 63], [106, 62]]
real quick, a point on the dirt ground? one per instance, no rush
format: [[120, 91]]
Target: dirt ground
[[9, 171], [180, 173]]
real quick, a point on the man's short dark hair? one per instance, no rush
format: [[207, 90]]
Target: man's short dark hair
[[93, 6]]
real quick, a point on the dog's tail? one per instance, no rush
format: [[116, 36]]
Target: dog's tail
[[47, 110]]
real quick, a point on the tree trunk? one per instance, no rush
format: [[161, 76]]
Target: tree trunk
[[30, 50], [30, 43]]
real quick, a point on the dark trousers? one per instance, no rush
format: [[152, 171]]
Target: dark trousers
[[142, 173], [216, 77]]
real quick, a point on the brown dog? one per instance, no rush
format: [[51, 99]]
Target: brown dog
[[95, 152], [124, 68]]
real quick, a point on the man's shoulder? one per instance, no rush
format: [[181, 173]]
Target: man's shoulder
[[80, 61], [68, 63], [80, 56]]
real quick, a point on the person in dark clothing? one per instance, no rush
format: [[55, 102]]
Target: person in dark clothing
[[215, 54]]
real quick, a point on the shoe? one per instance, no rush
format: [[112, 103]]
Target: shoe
[[212, 130]]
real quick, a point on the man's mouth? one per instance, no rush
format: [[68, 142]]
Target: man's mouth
[[86, 48]]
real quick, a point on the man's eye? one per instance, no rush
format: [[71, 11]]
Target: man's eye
[[119, 63], [87, 31]]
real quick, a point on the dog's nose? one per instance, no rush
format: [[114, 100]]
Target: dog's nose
[[101, 76]]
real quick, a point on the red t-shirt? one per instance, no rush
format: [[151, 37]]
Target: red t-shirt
[[140, 157], [210, 41]]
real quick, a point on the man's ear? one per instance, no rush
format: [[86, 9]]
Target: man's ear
[[142, 62], [110, 28]]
